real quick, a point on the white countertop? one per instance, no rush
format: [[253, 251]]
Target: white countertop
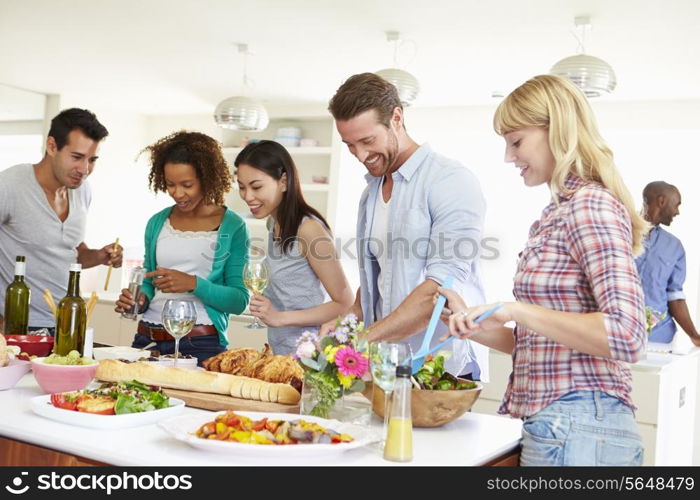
[[473, 439], [661, 356]]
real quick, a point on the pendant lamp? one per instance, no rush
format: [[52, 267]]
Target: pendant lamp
[[406, 84], [591, 74], [242, 112]]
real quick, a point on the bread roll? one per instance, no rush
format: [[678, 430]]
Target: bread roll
[[111, 370], [4, 356]]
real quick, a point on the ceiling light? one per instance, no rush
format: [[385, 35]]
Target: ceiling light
[[406, 84], [242, 112], [591, 74]]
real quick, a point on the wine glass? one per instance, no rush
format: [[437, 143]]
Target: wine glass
[[179, 316], [256, 275], [384, 358]]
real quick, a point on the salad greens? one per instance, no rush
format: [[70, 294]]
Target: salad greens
[[133, 397], [432, 376]]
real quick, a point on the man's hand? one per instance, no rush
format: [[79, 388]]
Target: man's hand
[[172, 281], [111, 255]]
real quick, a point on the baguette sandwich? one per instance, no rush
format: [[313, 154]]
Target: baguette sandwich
[[111, 370]]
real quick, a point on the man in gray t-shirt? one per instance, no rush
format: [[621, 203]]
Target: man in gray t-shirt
[[43, 210]]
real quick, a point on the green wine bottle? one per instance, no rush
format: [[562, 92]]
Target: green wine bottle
[[17, 297], [71, 317]]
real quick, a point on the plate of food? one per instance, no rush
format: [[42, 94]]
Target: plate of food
[[109, 406], [259, 434]]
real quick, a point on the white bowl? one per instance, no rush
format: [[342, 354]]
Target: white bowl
[[10, 374], [186, 363], [119, 352]]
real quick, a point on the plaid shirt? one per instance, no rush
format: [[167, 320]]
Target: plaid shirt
[[578, 259]]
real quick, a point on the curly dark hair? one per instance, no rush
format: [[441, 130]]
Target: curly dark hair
[[198, 150]]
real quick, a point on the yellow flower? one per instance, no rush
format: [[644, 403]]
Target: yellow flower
[[346, 380], [330, 351]]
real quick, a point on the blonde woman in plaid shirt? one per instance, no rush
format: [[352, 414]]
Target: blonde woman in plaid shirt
[[579, 310]]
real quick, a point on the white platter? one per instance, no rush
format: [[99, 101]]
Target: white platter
[[183, 427], [41, 405]]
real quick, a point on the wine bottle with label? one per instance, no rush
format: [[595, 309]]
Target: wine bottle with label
[[71, 317], [17, 299]]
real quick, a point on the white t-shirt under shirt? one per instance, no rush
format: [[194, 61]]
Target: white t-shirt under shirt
[[30, 227], [190, 252], [378, 243]]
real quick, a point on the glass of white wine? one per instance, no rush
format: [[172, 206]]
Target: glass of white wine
[[384, 357], [179, 316], [256, 276]]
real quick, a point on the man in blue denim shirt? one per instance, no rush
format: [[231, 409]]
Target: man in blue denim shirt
[[662, 266], [420, 220]]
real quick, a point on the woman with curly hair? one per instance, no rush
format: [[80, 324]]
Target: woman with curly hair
[[195, 249]]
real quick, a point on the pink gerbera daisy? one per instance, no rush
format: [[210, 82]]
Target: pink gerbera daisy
[[350, 362]]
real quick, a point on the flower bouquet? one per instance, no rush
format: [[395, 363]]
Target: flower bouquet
[[652, 318], [334, 365]]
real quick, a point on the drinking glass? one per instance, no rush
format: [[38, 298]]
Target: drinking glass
[[256, 275], [179, 316], [384, 358]]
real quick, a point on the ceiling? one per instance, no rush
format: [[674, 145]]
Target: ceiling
[[179, 56]]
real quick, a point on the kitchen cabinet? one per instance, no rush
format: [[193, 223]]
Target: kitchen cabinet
[[664, 388]]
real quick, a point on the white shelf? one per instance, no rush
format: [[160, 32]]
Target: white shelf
[[315, 187], [319, 150]]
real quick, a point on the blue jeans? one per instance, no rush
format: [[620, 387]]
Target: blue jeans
[[582, 428], [201, 347]]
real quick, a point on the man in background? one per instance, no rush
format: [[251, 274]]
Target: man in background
[[662, 266], [43, 212], [420, 220]]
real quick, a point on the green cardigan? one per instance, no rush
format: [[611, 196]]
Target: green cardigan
[[223, 291]]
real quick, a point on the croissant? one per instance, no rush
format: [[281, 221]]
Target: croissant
[[278, 369]]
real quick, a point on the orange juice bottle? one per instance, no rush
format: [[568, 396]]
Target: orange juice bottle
[[399, 438]]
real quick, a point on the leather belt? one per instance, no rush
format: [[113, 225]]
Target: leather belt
[[159, 334]]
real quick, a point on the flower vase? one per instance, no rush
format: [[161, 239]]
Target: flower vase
[[338, 404]]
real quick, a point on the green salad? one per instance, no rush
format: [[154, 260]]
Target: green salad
[[432, 376], [133, 397]]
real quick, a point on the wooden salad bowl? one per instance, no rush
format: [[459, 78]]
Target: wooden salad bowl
[[433, 408]]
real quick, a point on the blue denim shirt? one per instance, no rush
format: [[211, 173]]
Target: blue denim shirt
[[434, 227], [662, 271]]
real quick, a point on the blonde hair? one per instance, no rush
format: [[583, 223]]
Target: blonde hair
[[556, 104]]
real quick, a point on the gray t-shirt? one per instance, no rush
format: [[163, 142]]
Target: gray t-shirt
[[30, 227]]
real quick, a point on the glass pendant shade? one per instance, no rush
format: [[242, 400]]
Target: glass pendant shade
[[241, 113], [405, 83], [591, 74]]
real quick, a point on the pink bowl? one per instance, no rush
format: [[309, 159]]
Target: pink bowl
[[62, 378], [10, 374]]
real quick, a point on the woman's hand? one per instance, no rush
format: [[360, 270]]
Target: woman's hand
[[454, 303], [262, 308], [172, 281], [126, 301], [462, 324]]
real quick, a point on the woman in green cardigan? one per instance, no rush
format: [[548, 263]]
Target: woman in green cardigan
[[195, 249]]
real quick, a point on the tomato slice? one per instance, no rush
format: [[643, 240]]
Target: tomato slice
[[65, 400], [259, 425]]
